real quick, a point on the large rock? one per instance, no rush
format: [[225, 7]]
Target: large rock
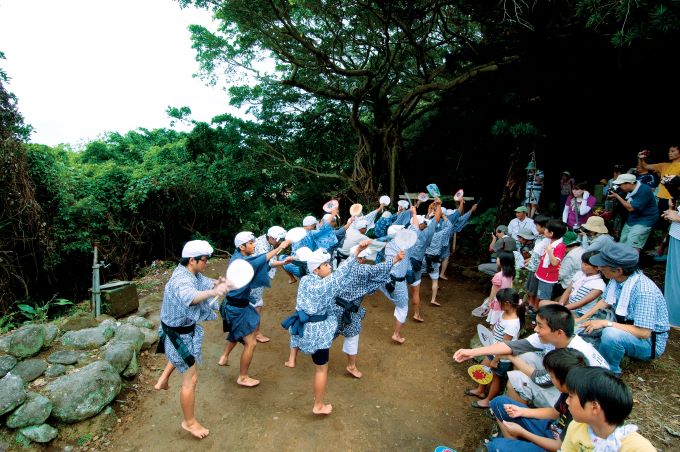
[[119, 354], [12, 393], [55, 370], [85, 393], [40, 433], [35, 410], [64, 357], [150, 338], [140, 322], [51, 333], [79, 322], [133, 368], [131, 334], [27, 341], [88, 338], [7, 363], [30, 369], [4, 343]]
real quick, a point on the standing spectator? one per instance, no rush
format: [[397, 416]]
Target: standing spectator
[[672, 286], [641, 207], [613, 211], [566, 185], [578, 207], [645, 177], [548, 269], [670, 168], [534, 186]]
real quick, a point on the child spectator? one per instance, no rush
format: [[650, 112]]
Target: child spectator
[[579, 206], [549, 266], [585, 288], [501, 280], [500, 241], [595, 235], [529, 429], [506, 329], [531, 264], [599, 402], [571, 262]]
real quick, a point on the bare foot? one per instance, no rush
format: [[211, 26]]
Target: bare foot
[[323, 409], [161, 385], [261, 338], [398, 339], [290, 364], [196, 429], [354, 372], [223, 361], [418, 318], [434, 303], [443, 277], [247, 382]]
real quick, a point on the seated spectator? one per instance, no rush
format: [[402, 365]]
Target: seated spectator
[[526, 241], [585, 287], [599, 403], [500, 241], [521, 222], [578, 207], [505, 264], [529, 382], [641, 329], [595, 235], [642, 210], [571, 262], [537, 429]]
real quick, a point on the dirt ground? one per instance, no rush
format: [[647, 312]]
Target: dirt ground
[[410, 398]]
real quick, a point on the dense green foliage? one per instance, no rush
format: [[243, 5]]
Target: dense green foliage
[[366, 98]]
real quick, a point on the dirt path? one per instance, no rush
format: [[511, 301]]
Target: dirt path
[[410, 397]]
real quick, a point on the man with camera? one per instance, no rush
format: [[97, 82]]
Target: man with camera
[[641, 206]]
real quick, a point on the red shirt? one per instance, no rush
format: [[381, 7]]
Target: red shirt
[[552, 273]]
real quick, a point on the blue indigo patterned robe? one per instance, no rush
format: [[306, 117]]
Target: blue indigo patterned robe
[[363, 279], [177, 311], [399, 296], [316, 296]]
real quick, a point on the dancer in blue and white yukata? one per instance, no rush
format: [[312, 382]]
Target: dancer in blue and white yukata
[[395, 289], [185, 303], [362, 280], [264, 244], [460, 222], [432, 260], [424, 230], [239, 316], [314, 323], [320, 234]]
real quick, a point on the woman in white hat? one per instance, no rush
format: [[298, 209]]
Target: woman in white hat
[[595, 235]]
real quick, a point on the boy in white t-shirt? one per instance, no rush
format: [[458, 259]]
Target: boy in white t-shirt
[[529, 382]]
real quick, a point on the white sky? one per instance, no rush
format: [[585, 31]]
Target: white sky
[[83, 67]]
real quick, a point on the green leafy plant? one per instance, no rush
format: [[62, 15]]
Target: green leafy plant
[[39, 312]]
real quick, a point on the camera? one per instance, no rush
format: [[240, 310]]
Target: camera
[[616, 189]]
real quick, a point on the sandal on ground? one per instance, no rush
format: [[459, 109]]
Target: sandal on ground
[[477, 405], [468, 392]]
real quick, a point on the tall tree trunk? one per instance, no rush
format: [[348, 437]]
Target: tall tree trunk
[[513, 192]]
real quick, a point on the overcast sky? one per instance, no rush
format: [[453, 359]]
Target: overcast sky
[[84, 67]]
